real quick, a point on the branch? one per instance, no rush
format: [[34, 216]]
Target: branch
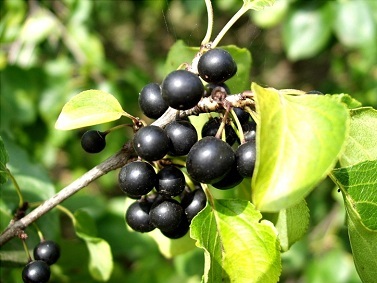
[[117, 161]]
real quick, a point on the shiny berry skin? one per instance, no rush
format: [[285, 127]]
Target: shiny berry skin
[[93, 141], [137, 216], [182, 89], [137, 178], [245, 158], [249, 131], [194, 202], [171, 181], [151, 143], [166, 214], [216, 66], [182, 135], [151, 102], [180, 231], [36, 271], [230, 179], [242, 116], [48, 251], [209, 160], [212, 125]]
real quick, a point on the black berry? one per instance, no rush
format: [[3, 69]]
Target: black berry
[[182, 89], [212, 125], [93, 141], [194, 202], [249, 131], [216, 66], [245, 158], [137, 178], [182, 135], [151, 143], [171, 181], [209, 160], [180, 231], [48, 251], [137, 216], [151, 102], [230, 179], [36, 271], [166, 214], [242, 116]]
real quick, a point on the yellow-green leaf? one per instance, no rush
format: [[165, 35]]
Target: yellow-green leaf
[[299, 139], [90, 107]]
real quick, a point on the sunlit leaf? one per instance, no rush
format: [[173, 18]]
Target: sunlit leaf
[[257, 4], [238, 246], [362, 139], [298, 143], [359, 184], [292, 224], [90, 107], [100, 256]]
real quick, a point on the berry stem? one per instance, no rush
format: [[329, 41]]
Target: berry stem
[[229, 24], [29, 259], [39, 232], [18, 189], [239, 126], [207, 37]]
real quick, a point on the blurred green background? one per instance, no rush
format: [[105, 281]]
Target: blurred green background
[[52, 50]]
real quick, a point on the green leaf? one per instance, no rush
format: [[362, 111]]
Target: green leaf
[[90, 107], [271, 16], [354, 24], [307, 30], [179, 53], [257, 4], [364, 248], [362, 138], [4, 158], [359, 188], [238, 246], [299, 139], [347, 100], [359, 184], [292, 224], [101, 259]]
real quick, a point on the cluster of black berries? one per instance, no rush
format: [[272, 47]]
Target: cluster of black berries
[[45, 254]]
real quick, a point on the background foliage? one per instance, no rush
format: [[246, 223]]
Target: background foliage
[[52, 50]]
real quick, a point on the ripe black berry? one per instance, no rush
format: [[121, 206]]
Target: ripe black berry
[[242, 116], [194, 202], [182, 135], [182, 89], [48, 251], [249, 131], [245, 158], [93, 141], [180, 231], [151, 102], [151, 143], [216, 66], [230, 179], [209, 160], [166, 214], [212, 125], [137, 178], [36, 271], [137, 216], [171, 181]]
